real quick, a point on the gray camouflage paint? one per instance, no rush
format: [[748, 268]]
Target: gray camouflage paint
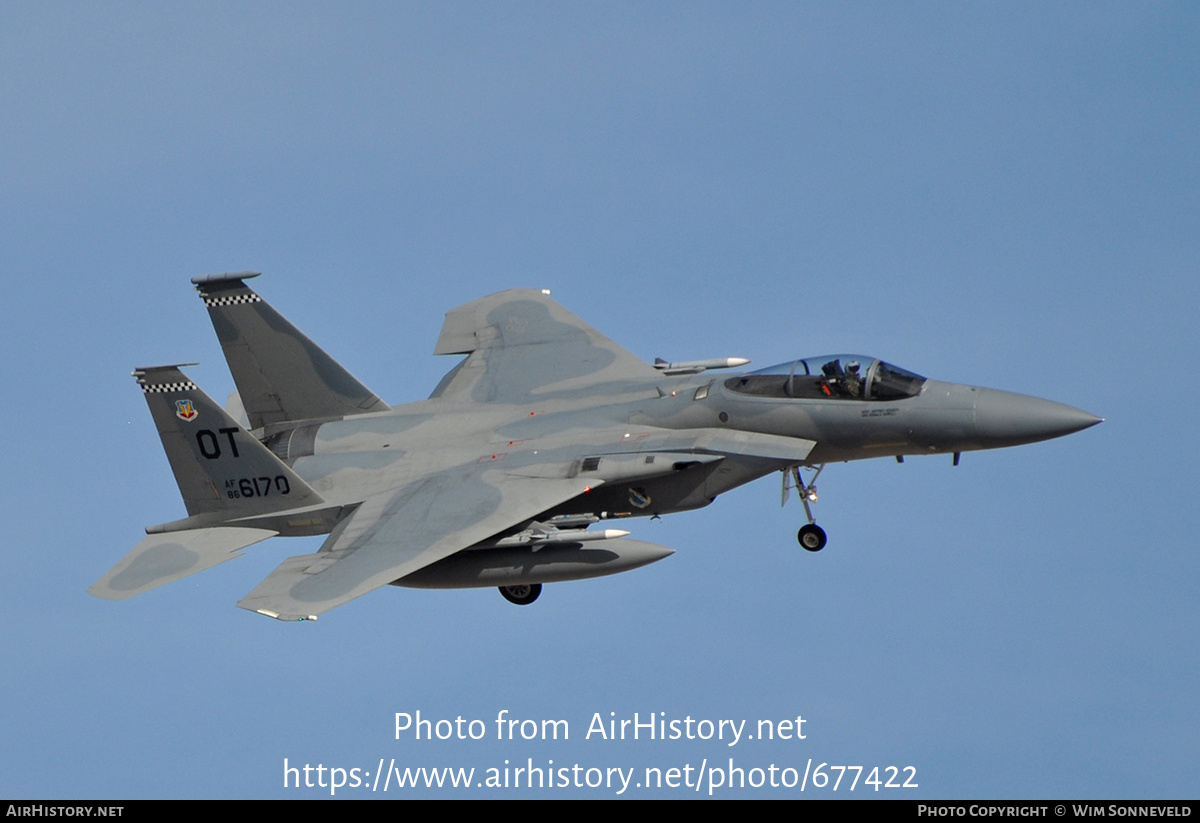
[[545, 418]]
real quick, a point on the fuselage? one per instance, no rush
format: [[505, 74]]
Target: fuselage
[[543, 429], [344, 460]]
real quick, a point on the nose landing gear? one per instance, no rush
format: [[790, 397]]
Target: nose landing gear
[[811, 537]]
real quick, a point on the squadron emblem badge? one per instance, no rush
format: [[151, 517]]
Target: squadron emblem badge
[[184, 410]]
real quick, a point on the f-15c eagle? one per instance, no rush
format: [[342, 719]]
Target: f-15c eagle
[[544, 429]]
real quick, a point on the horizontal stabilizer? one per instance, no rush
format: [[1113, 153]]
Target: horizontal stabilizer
[[165, 558], [281, 375]]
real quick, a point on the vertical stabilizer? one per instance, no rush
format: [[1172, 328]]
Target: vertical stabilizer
[[281, 375], [219, 466]]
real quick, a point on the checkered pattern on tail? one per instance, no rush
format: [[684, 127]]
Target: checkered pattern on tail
[[186, 385], [232, 299]]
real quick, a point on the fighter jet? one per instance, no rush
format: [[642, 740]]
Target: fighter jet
[[545, 429]]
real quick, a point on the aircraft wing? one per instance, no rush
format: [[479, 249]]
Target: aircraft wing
[[522, 345], [393, 534]]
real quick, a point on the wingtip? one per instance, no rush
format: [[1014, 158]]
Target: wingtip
[[287, 618]]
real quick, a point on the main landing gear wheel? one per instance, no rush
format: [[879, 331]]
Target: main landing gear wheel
[[524, 595], [811, 537]]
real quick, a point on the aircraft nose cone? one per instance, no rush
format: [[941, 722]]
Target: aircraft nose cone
[[1007, 419]]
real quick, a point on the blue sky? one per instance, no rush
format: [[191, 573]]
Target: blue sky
[[999, 194]]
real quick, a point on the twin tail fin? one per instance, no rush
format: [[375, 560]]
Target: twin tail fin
[[220, 467], [281, 375]]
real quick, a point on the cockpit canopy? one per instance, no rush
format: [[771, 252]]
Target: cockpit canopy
[[831, 377]]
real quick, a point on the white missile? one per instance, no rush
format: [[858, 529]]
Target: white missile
[[697, 366], [530, 537]]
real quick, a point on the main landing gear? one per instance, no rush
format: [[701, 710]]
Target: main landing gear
[[522, 595], [811, 537]]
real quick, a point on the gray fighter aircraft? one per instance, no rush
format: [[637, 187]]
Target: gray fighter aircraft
[[544, 429]]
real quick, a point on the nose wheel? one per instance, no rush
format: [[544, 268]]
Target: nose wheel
[[811, 537]]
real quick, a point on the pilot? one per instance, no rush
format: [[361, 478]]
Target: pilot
[[852, 383], [832, 382]]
